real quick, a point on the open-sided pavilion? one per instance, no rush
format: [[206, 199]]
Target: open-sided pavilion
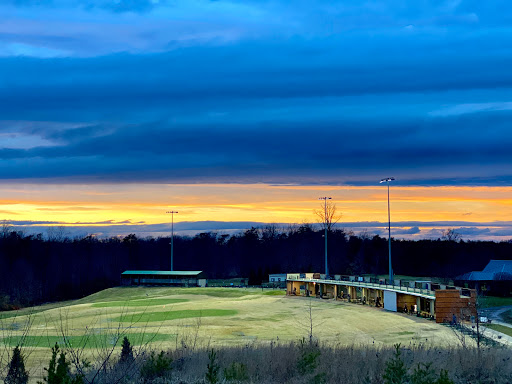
[[423, 298], [175, 278]]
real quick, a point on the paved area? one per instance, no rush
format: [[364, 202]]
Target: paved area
[[494, 314]]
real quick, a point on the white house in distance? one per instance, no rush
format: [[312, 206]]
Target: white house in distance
[[276, 277], [280, 277]]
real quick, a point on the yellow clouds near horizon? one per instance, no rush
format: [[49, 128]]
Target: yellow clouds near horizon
[[74, 203]]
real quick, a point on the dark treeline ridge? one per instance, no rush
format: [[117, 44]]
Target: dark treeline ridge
[[36, 269]]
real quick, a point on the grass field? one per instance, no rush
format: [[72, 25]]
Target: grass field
[[500, 328], [491, 301], [165, 316]]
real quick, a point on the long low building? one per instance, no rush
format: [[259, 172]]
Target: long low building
[[423, 298], [175, 278]]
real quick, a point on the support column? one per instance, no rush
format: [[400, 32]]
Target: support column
[[335, 292], [418, 305], [352, 292], [432, 307]]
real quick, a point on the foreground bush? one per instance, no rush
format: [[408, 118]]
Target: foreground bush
[[298, 363]]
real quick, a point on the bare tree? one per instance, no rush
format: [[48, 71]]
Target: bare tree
[[451, 235], [269, 231], [5, 229], [328, 215], [57, 233]]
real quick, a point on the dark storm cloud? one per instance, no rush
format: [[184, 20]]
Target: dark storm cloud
[[420, 92], [273, 151], [211, 74]]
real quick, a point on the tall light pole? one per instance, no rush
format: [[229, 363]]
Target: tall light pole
[[325, 198], [387, 180], [172, 238]]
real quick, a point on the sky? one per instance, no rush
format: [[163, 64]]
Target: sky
[[237, 113]]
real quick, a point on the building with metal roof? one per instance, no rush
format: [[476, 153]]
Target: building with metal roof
[[495, 278], [174, 278]]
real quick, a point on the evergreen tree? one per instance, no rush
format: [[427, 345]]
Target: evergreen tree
[[17, 373], [62, 371], [126, 352], [58, 370], [51, 378], [395, 372]]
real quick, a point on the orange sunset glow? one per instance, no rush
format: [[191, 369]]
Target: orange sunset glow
[[72, 204]]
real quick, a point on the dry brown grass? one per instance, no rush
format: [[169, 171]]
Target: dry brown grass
[[264, 325], [355, 364]]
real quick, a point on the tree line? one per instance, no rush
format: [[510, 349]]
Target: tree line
[[37, 268]]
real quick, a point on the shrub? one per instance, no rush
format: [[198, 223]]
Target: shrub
[[155, 367], [236, 372], [443, 378], [423, 375], [395, 372], [308, 360]]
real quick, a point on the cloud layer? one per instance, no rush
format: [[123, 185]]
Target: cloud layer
[[229, 91], [306, 93], [496, 231]]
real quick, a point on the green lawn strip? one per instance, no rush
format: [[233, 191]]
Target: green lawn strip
[[104, 340], [138, 303], [507, 316], [490, 301], [139, 293], [275, 293], [500, 328], [217, 292], [173, 315]]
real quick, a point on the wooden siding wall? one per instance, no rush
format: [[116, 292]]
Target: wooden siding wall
[[401, 300], [449, 302]]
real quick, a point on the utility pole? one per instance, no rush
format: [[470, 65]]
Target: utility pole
[[172, 238], [325, 198], [391, 278]]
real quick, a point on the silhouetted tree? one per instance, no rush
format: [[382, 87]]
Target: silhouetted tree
[[17, 373]]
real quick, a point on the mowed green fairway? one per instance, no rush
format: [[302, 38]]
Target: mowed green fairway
[[166, 317], [139, 303], [173, 315]]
